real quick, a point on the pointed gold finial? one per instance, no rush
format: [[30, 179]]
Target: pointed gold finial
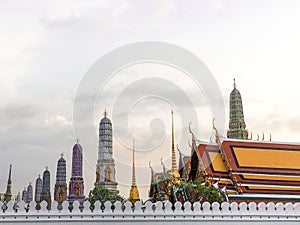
[[164, 167], [62, 155], [134, 192], [174, 169], [191, 132], [105, 113], [234, 84], [217, 133], [178, 149]]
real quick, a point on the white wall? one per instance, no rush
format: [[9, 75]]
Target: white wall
[[215, 214]]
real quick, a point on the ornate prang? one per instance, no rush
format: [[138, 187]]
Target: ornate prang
[[76, 184], [38, 189], [46, 194], [105, 167], [60, 189], [237, 125]]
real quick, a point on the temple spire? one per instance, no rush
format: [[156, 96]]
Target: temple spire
[[105, 113], [237, 125], [105, 167], [8, 194], [174, 170], [133, 166], [134, 192]]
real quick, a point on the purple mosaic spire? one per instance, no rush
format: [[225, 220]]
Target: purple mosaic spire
[[77, 160], [29, 193], [76, 185]]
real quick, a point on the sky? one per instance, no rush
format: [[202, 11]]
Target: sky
[[47, 47]]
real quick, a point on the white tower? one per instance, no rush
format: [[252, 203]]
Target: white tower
[[105, 168]]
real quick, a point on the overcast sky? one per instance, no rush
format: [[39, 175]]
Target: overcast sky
[[46, 47]]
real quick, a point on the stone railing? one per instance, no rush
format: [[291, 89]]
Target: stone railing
[[152, 213]]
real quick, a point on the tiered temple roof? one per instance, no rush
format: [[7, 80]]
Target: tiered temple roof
[[254, 170]]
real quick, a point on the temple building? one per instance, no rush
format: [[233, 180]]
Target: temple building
[[237, 125], [105, 168], [76, 185], [29, 196], [46, 194], [249, 170], [8, 193], [38, 189], [245, 169], [60, 189], [134, 192]]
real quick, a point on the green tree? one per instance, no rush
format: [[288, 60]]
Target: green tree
[[103, 195], [181, 190]]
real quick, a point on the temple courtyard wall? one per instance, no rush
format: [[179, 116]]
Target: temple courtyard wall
[[153, 213]]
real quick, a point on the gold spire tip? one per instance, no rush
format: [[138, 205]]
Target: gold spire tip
[[105, 113]]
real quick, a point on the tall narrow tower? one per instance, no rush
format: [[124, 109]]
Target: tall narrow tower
[[46, 194], [237, 125], [8, 194], [76, 185], [105, 168], [60, 189], [134, 192], [29, 193], [174, 170], [24, 194], [38, 189]]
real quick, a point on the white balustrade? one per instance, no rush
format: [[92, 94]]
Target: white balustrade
[[149, 213]]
